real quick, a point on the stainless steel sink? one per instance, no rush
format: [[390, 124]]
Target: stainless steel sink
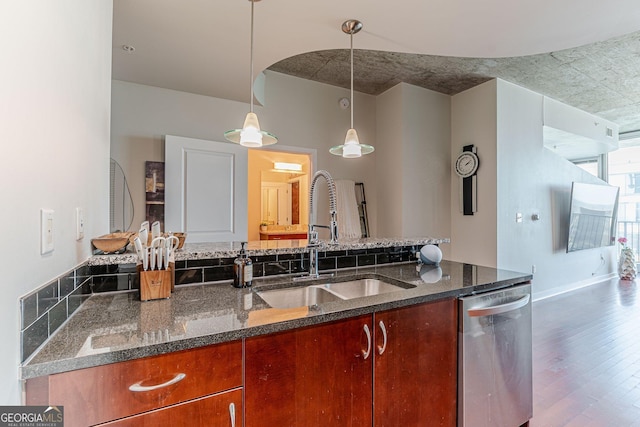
[[326, 292], [362, 288], [297, 297]]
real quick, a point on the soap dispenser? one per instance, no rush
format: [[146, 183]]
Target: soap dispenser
[[242, 269]]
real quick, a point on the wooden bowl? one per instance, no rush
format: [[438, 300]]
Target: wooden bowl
[[111, 243], [181, 238]]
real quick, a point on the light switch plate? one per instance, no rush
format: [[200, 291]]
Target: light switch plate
[[46, 231], [79, 223]]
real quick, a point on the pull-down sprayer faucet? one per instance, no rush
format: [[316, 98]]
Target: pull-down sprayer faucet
[[313, 242]]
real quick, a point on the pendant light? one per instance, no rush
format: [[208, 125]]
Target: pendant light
[[250, 135], [351, 147]]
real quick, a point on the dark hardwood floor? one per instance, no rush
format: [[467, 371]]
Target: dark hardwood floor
[[586, 357]]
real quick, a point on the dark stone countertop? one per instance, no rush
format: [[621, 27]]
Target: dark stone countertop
[[118, 327]]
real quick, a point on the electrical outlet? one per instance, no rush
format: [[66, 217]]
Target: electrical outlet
[[46, 231], [533, 269], [79, 223]]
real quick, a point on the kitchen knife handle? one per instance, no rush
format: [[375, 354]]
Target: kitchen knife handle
[[368, 334], [138, 388], [383, 347]]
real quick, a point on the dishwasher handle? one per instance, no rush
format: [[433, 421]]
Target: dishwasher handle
[[499, 309]]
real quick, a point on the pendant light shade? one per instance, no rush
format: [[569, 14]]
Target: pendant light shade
[[351, 147], [250, 135]]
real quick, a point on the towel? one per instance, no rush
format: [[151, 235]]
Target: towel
[[348, 217]]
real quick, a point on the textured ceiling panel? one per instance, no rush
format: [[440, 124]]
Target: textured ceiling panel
[[602, 78]]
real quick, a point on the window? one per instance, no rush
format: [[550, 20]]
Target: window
[[624, 172], [590, 165]]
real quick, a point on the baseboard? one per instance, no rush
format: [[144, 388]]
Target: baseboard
[[537, 296]]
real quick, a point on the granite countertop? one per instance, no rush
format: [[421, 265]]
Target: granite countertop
[[117, 327], [192, 251]]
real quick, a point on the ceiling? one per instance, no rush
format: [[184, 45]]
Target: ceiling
[[583, 53]]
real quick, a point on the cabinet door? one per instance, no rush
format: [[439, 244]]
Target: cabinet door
[[224, 409], [314, 376], [415, 372]]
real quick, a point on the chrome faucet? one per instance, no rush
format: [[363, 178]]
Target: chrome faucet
[[313, 242]]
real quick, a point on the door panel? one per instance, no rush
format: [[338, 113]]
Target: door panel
[[206, 189], [314, 376], [415, 366]]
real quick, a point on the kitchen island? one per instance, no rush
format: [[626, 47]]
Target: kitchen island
[[115, 338]]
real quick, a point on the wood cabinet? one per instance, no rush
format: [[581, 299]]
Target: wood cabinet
[[319, 376], [314, 376], [396, 367], [415, 365], [223, 409], [109, 392]]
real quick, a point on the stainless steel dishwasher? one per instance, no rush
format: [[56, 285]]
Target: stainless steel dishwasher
[[495, 373]]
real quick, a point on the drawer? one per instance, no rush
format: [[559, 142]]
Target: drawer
[[118, 390], [224, 409]]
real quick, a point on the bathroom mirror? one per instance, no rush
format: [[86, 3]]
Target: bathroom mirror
[[120, 200]]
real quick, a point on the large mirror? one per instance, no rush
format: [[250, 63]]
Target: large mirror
[[120, 200]]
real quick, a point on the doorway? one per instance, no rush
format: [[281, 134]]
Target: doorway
[[278, 192]]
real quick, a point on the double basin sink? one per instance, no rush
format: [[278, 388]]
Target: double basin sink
[[316, 294]]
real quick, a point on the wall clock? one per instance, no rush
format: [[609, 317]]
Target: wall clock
[[466, 168], [467, 164]]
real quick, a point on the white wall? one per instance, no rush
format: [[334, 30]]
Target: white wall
[[54, 114], [413, 139], [517, 174], [389, 133], [473, 121], [300, 112], [532, 179], [426, 163]]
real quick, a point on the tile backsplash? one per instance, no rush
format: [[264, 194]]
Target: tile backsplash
[[44, 310]]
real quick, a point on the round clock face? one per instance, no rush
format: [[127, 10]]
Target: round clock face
[[466, 164]]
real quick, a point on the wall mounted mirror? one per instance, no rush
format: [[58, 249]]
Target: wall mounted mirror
[[120, 200]]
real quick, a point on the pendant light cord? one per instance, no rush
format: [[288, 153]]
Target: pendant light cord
[[251, 66], [351, 37]]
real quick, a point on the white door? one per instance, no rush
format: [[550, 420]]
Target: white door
[[276, 203], [206, 189]]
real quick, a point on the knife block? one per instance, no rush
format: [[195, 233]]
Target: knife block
[[155, 284]]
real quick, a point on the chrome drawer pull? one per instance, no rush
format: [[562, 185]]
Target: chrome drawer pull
[[368, 333], [137, 387], [382, 348], [232, 414]]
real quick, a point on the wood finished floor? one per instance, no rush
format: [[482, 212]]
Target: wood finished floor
[[586, 357]]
